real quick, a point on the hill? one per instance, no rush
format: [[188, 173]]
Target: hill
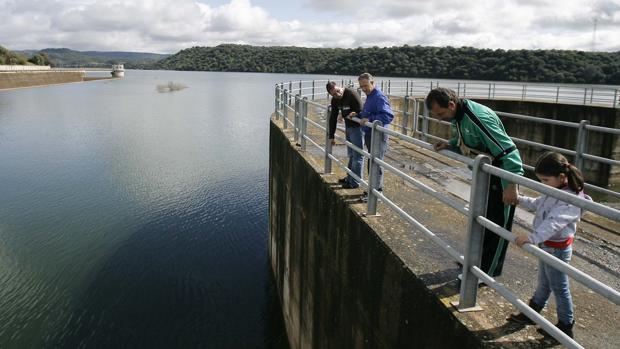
[[558, 66], [64, 57]]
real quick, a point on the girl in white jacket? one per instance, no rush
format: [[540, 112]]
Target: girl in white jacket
[[554, 225]]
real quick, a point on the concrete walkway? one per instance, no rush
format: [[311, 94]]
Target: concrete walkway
[[597, 249]]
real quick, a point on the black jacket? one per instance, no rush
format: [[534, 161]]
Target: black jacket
[[349, 102]]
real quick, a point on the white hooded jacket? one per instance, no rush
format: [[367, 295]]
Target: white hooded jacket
[[555, 220]]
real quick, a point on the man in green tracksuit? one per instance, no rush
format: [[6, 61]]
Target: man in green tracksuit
[[477, 129]]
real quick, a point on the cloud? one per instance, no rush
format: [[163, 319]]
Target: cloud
[[171, 25]]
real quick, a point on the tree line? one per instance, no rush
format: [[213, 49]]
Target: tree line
[[559, 66], [15, 58]]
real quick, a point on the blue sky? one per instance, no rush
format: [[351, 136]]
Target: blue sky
[[167, 26]]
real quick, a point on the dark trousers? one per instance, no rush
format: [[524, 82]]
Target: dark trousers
[[494, 247]]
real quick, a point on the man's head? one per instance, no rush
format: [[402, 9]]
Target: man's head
[[334, 90], [366, 82], [442, 103]]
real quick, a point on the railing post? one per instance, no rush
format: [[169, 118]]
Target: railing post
[[296, 122], [382, 89], [557, 94], [373, 176], [405, 114], [582, 144], [489, 90], [312, 89], [285, 110], [585, 95], [277, 101], [389, 86], [458, 89], [613, 104], [475, 233], [591, 95], [493, 90], [290, 91], [416, 112], [425, 117], [523, 93], [300, 93], [464, 90], [328, 142], [304, 122], [407, 88]]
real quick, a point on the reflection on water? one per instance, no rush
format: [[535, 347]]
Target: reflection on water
[[133, 218]]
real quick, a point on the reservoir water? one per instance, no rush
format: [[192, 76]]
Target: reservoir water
[[132, 218]]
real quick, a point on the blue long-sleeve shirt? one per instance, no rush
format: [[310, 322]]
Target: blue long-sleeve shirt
[[377, 107]]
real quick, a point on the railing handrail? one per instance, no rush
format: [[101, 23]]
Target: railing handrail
[[482, 170]]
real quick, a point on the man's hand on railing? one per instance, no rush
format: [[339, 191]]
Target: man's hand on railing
[[511, 195], [440, 146], [340, 119]]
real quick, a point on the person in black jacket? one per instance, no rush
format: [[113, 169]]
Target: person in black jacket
[[344, 101]]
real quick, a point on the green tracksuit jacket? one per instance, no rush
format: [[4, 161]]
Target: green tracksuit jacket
[[483, 131]]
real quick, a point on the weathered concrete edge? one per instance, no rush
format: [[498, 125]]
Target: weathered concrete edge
[[339, 284], [15, 80]]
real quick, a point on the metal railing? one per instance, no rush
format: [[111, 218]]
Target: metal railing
[[420, 122], [606, 96], [475, 212]]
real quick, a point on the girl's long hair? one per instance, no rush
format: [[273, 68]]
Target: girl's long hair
[[552, 164]]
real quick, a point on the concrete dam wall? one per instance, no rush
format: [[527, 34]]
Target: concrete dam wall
[[339, 284], [19, 79]]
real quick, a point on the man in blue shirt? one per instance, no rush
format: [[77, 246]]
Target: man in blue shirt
[[376, 107]]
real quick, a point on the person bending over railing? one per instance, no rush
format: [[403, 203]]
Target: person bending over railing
[[477, 129]]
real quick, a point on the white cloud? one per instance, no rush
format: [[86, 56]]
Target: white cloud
[[168, 26]]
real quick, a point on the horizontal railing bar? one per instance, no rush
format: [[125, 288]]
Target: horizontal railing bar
[[601, 159], [544, 146], [346, 169], [445, 246], [315, 124], [538, 119], [315, 143], [603, 129], [536, 317], [317, 104], [556, 263], [591, 206], [601, 190], [458, 206]]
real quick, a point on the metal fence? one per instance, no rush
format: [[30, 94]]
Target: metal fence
[[416, 120], [286, 102], [606, 96]]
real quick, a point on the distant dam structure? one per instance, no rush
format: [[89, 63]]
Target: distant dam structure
[[24, 76]]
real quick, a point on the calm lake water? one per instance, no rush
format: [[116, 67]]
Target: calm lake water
[[132, 218]]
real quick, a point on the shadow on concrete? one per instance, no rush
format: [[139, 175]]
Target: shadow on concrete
[[495, 334]]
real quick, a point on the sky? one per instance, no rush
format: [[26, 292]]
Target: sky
[[167, 26]]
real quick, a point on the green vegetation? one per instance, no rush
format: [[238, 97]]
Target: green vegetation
[[406, 61], [11, 58], [64, 57]]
